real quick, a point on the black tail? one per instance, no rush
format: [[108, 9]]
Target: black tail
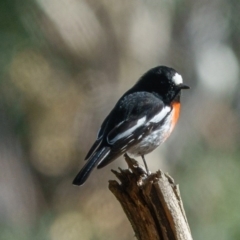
[[96, 158]]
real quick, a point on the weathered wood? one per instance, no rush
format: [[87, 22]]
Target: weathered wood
[[152, 203]]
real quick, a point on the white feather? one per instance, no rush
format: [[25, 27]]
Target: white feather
[[129, 131], [177, 79], [161, 115], [153, 140]]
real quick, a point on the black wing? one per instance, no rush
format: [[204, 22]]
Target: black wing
[[134, 117], [128, 110], [142, 113], [99, 138]]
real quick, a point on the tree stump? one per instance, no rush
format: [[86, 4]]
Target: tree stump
[[152, 203]]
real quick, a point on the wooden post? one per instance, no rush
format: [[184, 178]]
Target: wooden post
[[152, 203]]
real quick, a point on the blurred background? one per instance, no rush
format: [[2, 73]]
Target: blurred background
[[64, 64]]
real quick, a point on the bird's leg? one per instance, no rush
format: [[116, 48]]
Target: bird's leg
[[145, 164]]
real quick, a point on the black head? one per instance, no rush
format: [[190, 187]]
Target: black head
[[163, 81]]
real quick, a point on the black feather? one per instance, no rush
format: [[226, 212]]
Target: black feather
[[97, 157]]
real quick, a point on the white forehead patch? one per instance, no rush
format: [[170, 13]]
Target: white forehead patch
[[177, 79]]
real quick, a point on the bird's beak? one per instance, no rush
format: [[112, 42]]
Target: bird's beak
[[183, 86]]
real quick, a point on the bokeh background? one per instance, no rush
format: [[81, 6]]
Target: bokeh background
[[64, 64]]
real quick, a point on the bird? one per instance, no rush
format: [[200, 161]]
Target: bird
[[142, 119]]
